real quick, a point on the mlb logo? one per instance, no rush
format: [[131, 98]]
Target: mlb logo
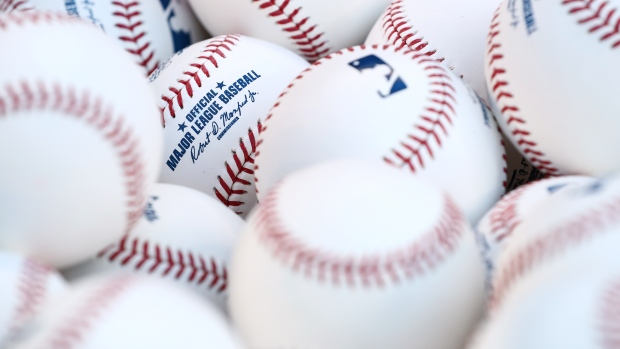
[[181, 37], [382, 74]]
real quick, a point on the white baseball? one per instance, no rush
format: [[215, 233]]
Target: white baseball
[[183, 235], [213, 97], [575, 308], [352, 254], [81, 139], [551, 72], [27, 287], [127, 312], [312, 28], [577, 224], [150, 30], [452, 31], [497, 225], [388, 103]]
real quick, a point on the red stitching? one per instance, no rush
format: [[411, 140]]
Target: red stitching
[[609, 310], [32, 291], [503, 219], [35, 17], [125, 14], [440, 107], [9, 6], [201, 268], [81, 106], [598, 16], [560, 240], [377, 270], [503, 98], [312, 46], [232, 187], [399, 30], [73, 331], [437, 116], [215, 47]]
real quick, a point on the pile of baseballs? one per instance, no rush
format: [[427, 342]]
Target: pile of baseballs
[[310, 174]]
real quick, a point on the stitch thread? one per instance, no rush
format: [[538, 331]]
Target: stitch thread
[[152, 258], [437, 114], [599, 17], [74, 330], [559, 241], [378, 270], [81, 107], [432, 124], [609, 310], [504, 218], [231, 188], [9, 6], [399, 30], [217, 47], [504, 99], [127, 16], [35, 17], [32, 291], [310, 44]]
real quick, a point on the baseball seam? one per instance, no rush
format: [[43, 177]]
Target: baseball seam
[[128, 20], [400, 32], [558, 241], [413, 148], [371, 270], [9, 6], [503, 218], [432, 123], [32, 291], [310, 44], [505, 100], [94, 113], [599, 17], [34, 17], [73, 330], [231, 188], [150, 257], [214, 49], [609, 315]]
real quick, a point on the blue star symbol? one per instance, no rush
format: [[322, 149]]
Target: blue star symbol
[[220, 85], [182, 127]]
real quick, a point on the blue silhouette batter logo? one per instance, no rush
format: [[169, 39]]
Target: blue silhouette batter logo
[[393, 83]]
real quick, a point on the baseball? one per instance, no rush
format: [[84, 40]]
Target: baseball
[[83, 151], [27, 287], [213, 99], [458, 39], [577, 224], [356, 254], [388, 103], [150, 31], [184, 236], [565, 121], [308, 177], [126, 311], [497, 225], [575, 308], [312, 28]]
